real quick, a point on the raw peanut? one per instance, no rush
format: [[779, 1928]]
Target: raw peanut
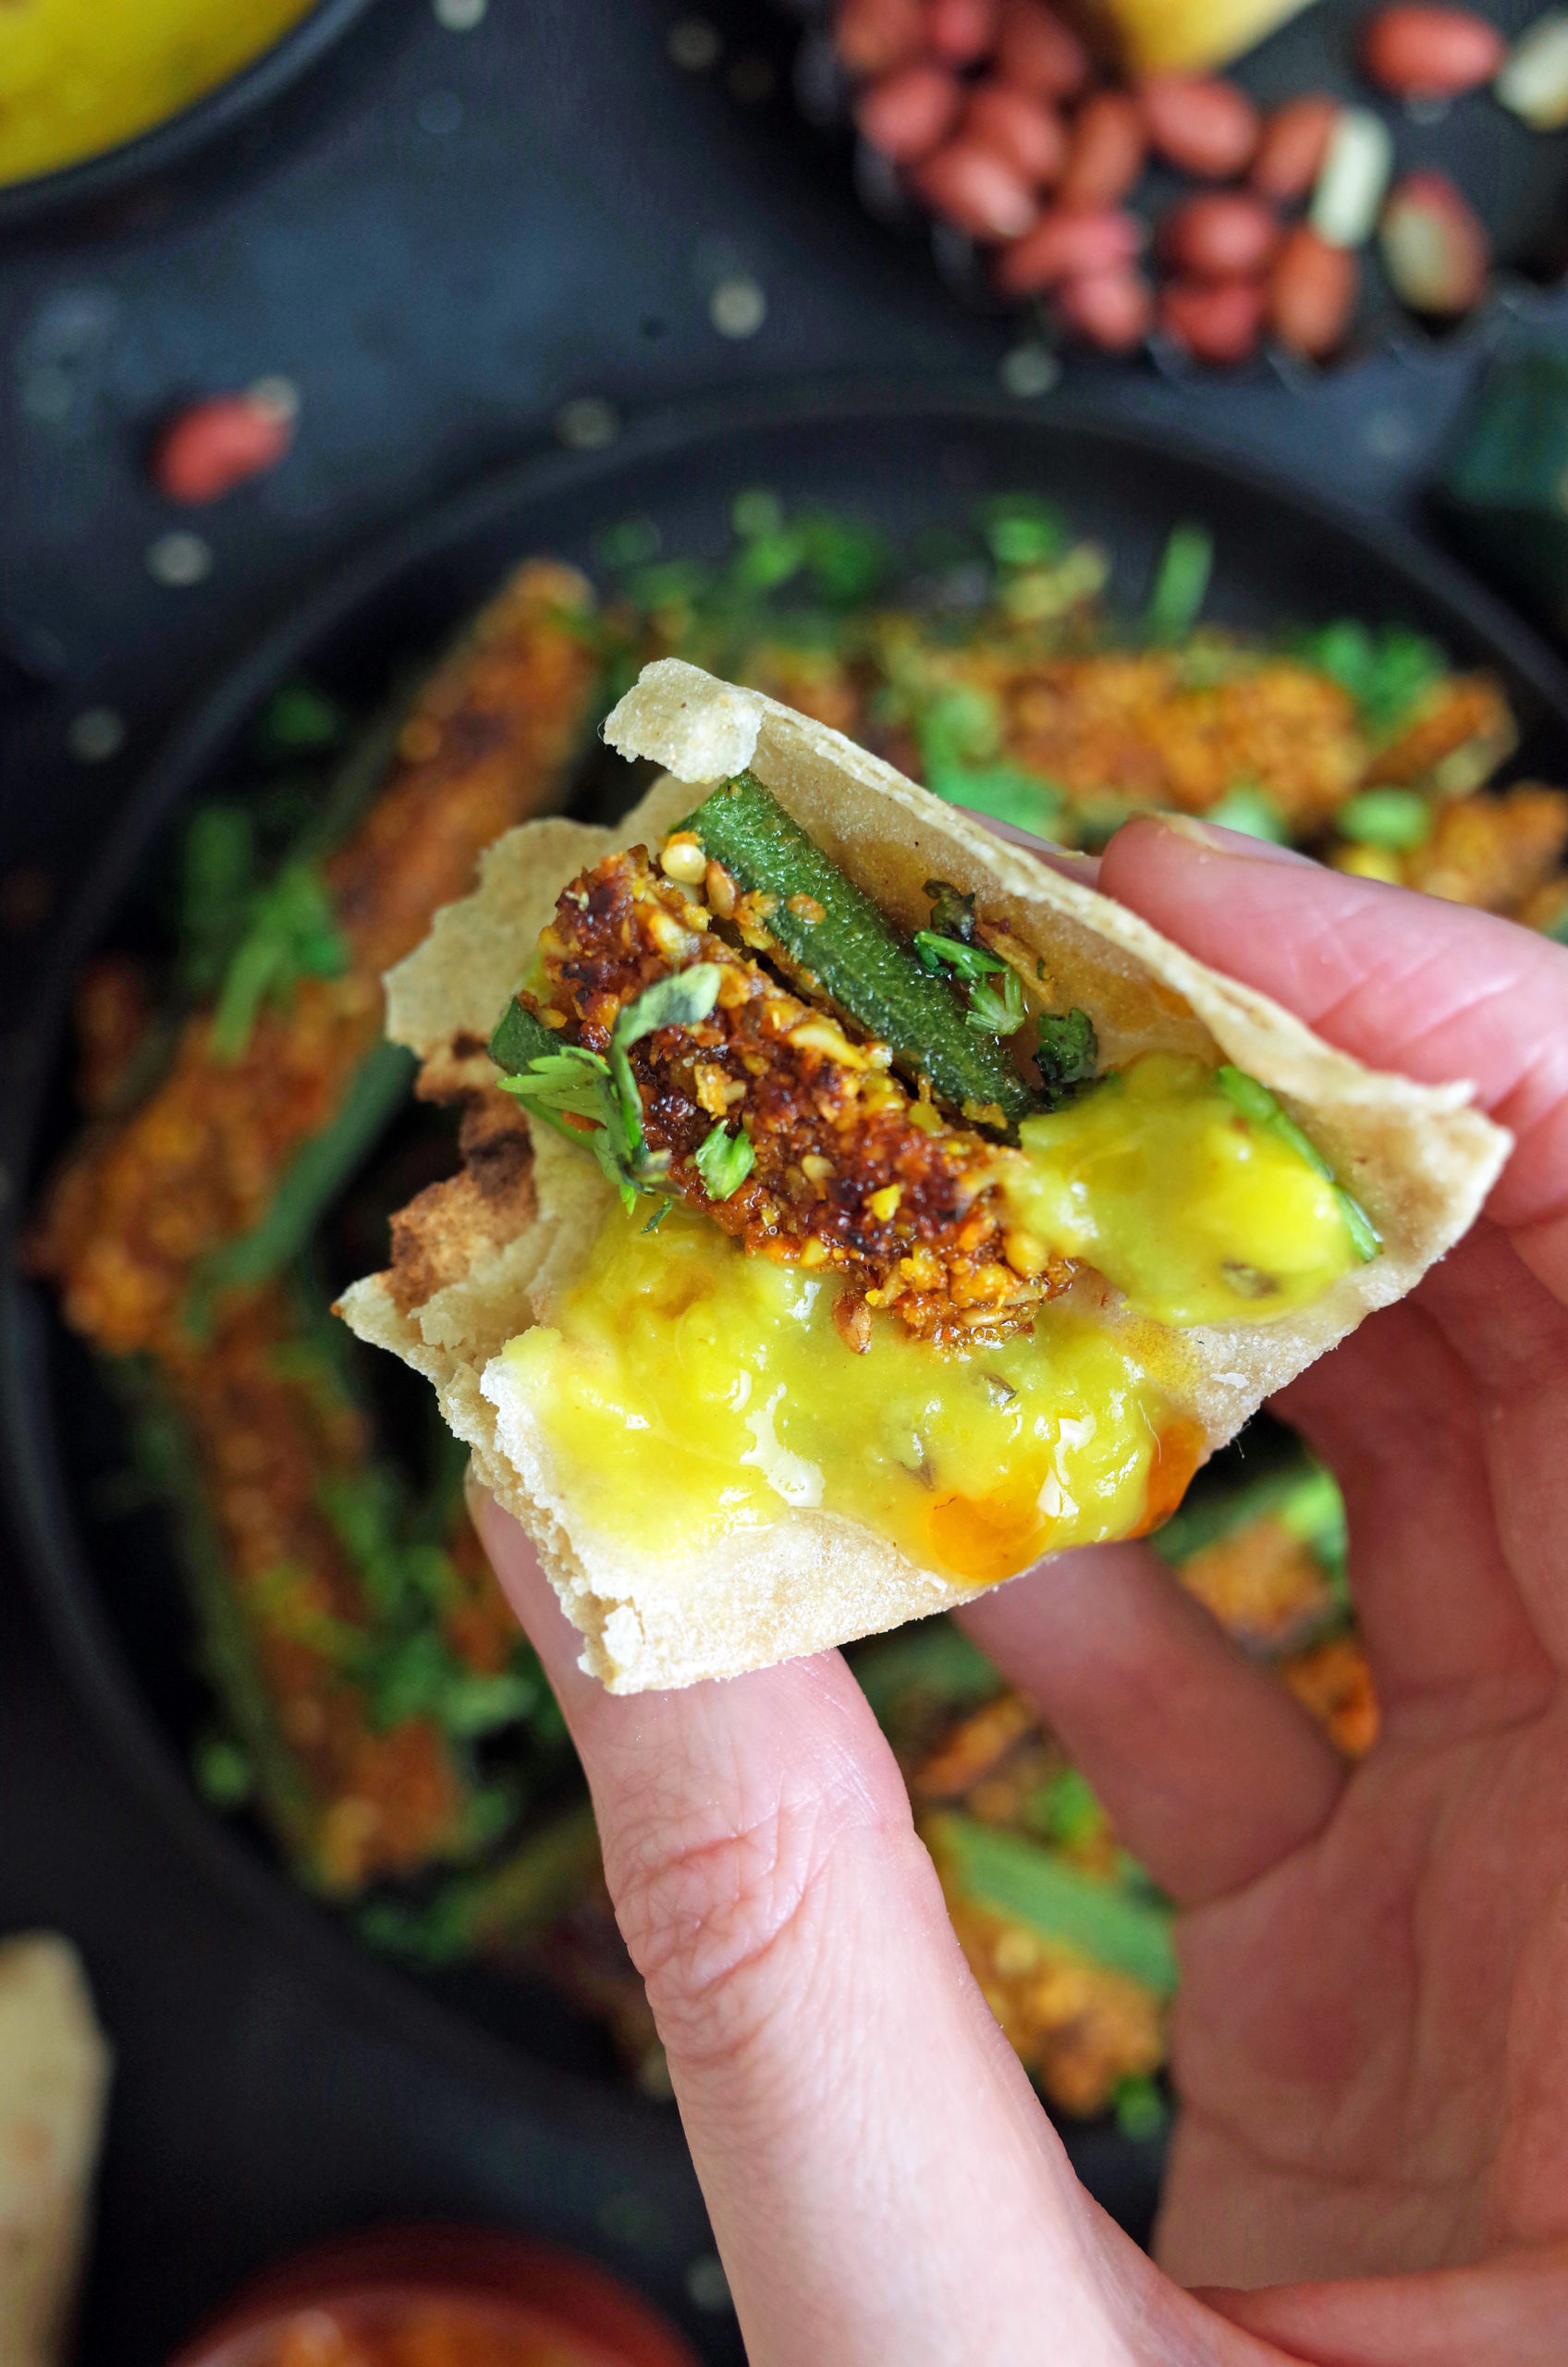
[[1434, 249], [1207, 127], [1068, 246], [1220, 323], [218, 444], [1225, 235], [981, 191], [1312, 293], [1430, 53], [1111, 309], [908, 112], [1107, 150], [873, 36], [1025, 131], [961, 32], [1039, 53], [1533, 84], [1290, 152]]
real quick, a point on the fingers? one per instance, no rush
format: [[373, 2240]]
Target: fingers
[[1209, 1768], [1402, 981], [1395, 1414], [1507, 2313], [881, 2181]]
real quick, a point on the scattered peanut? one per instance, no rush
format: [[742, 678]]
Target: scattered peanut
[[1424, 53], [1207, 127]]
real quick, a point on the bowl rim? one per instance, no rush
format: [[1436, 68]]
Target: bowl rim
[[62, 1577], [549, 2289], [178, 137]]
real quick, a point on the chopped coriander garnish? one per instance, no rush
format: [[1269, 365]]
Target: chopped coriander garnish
[[1255, 1102], [1399, 819], [952, 912], [967, 962], [1181, 581], [1067, 1053], [1248, 808], [562, 1081], [724, 1161], [993, 1010], [996, 1009]]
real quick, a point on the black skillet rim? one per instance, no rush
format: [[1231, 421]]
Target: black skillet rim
[[53, 1551], [167, 145]]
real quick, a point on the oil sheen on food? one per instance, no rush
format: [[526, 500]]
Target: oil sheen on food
[[695, 1389], [78, 77]]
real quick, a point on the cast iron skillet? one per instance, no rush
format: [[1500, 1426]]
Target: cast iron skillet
[[108, 1587], [169, 145]]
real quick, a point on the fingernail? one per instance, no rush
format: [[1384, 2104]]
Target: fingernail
[[1219, 840]]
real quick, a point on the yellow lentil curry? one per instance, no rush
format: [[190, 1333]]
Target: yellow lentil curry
[[78, 77]]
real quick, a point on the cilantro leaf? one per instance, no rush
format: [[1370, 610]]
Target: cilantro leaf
[[724, 1161], [1255, 1102], [969, 961], [292, 934], [1066, 1054], [997, 1011], [952, 912]]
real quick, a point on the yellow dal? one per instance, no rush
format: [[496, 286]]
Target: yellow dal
[[80, 76], [688, 1390]]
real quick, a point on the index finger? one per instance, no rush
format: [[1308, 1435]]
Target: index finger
[[864, 2134]]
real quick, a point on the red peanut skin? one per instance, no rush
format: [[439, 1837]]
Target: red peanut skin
[[1430, 53], [1224, 234], [1207, 127], [1106, 153], [1038, 52], [1111, 309], [1312, 293], [1290, 152], [961, 32], [909, 112], [1068, 246], [1218, 321], [977, 189], [1030, 134], [216, 445], [873, 36], [1466, 253]]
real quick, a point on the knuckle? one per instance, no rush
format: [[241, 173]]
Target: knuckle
[[724, 1914]]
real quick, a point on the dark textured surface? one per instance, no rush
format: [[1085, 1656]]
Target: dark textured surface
[[443, 240]]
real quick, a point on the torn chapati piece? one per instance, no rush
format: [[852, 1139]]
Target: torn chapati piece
[[855, 1209], [55, 2069]]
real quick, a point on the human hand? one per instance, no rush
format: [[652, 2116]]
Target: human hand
[[1370, 2044]]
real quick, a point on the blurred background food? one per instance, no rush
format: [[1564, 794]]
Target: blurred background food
[[1090, 160], [54, 2082], [248, 1133]]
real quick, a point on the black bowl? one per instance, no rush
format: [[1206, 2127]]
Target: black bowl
[[109, 1590], [172, 144]]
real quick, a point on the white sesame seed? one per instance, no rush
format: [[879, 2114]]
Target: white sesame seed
[[95, 735], [587, 422], [694, 43], [737, 307], [459, 16], [180, 560], [1029, 369], [277, 394]]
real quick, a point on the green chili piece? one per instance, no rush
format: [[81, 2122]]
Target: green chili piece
[[1255, 1102], [856, 954], [1003, 1872], [1399, 819]]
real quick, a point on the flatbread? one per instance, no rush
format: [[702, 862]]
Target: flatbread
[[1417, 1157], [53, 2078]]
